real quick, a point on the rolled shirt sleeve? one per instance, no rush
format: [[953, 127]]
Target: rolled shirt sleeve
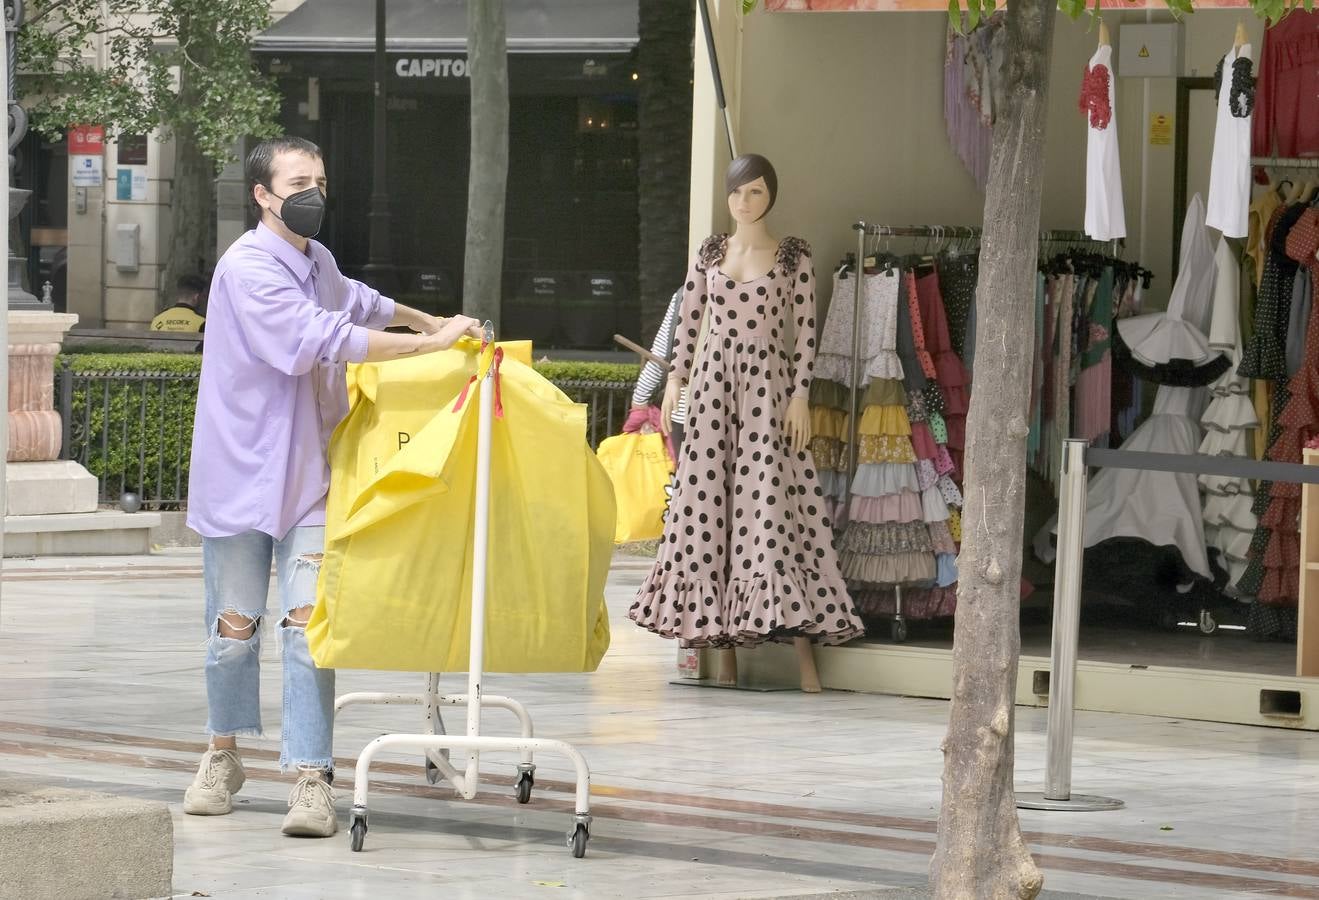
[[289, 331], [368, 307]]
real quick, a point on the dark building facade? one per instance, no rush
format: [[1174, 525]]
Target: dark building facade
[[570, 261]]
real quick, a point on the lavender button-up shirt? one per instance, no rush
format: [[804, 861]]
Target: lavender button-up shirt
[[280, 329]]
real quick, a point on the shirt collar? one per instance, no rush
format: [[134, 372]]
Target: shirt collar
[[300, 264]]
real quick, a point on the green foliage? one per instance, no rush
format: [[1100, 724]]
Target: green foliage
[[557, 371], [135, 430], [173, 65], [136, 363], [133, 433], [560, 372]]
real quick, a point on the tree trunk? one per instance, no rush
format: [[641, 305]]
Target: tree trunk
[[487, 66], [192, 192], [664, 143], [192, 213], [980, 850]]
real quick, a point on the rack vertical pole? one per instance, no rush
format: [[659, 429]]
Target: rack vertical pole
[[856, 365], [480, 551], [1066, 635]]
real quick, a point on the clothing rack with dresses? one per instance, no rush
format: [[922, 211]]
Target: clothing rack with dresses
[[889, 405], [938, 233]]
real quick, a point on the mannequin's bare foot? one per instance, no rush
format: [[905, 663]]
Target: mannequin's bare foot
[[810, 678], [728, 668]]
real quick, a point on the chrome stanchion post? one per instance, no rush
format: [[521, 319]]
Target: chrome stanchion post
[[1057, 793], [1066, 623]]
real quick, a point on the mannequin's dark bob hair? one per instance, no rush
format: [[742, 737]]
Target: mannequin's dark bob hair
[[746, 169]]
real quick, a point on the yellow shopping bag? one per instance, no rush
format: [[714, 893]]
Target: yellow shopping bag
[[638, 465], [396, 581]]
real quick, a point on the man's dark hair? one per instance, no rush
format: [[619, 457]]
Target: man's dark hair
[[261, 161]]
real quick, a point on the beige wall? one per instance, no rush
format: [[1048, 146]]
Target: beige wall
[[849, 106], [133, 298]]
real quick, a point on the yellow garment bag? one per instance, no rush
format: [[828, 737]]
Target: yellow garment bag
[[396, 581], [638, 465]]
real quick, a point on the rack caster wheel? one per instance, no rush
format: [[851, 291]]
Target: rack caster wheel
[[523, 789], [1208, 624], [358, 834], [577, 840], [899, 631]]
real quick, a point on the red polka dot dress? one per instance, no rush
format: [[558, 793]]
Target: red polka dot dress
[[747, 553]]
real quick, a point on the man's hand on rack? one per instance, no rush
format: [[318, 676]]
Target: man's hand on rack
[[425, 323], [450, 331], [416, 320]]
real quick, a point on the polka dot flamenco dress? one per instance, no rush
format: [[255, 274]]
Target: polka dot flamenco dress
[[747, 553]]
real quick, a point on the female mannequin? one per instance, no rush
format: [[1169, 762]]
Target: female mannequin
[[747, 554]]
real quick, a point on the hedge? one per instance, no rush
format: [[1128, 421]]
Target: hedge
[[145, 419], [558, 371]]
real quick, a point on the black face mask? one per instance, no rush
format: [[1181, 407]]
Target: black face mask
[[303, 212]]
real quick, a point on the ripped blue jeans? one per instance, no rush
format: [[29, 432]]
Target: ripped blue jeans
[[237, 575]]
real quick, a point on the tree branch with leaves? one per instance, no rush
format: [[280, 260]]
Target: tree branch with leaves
[[181, 69]]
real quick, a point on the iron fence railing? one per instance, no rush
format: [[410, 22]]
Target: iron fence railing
[[607, 404], [133, 430]]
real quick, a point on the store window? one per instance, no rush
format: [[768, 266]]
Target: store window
[[43, 168]]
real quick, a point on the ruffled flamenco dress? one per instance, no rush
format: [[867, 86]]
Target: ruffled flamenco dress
[[1272, 575], [1230, 423], [928, 592], [1155, 518]]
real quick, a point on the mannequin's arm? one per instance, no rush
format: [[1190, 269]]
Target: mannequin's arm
[[803, 306], [694, 297]]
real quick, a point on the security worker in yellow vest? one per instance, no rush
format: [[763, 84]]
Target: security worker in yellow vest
[[185, 315]]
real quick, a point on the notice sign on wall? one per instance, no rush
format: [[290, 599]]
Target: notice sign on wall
[[132, 149], [1160, 129], [87, 140], [88, 171], [131, 177], [131, 183], [87, 155]]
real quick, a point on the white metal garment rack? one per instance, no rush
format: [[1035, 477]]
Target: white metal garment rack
[[939, 232], [434, 742]]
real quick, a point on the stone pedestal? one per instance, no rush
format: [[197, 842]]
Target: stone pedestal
[[48, 488], [34, 425], [51, 507], [39, 482]]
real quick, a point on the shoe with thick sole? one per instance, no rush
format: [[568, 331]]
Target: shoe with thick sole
[[219, 777], [311, 809]]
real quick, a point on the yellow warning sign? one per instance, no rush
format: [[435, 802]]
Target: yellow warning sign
[[1144, 52], [1160, 129]]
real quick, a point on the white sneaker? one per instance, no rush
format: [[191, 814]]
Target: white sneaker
[[218, 778], [311, 808]]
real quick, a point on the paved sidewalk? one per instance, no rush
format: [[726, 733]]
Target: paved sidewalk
[[698, 792]]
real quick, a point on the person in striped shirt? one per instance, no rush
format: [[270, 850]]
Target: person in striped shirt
[[653, 375]]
